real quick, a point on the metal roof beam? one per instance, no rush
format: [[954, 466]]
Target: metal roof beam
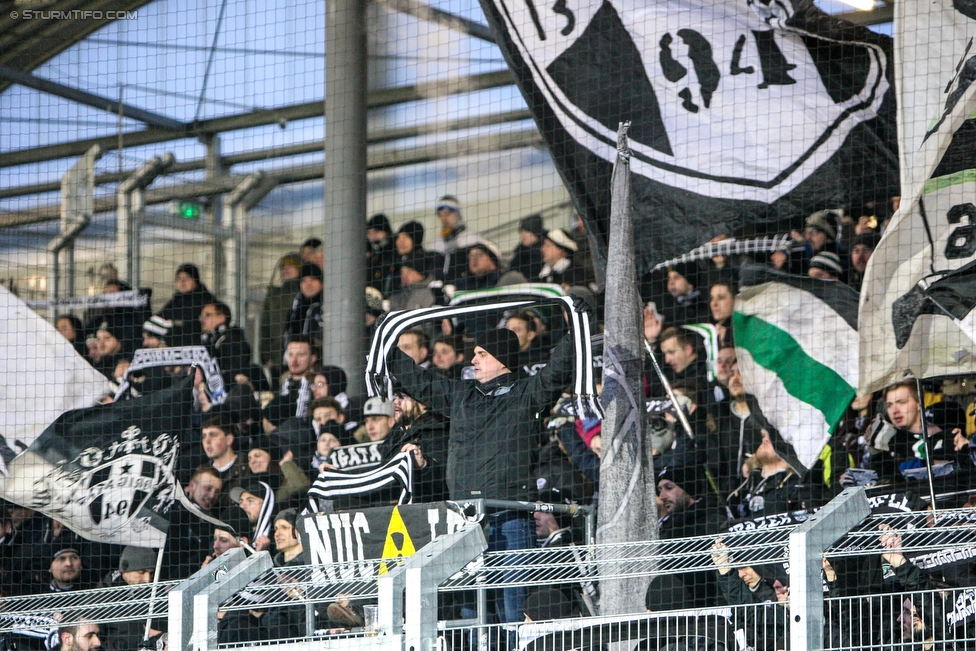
[[26, 43], [153, 135], [299, 149], [297, 174], [90, 99], [432, 15]]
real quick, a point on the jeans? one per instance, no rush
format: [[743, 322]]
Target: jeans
[[518, 533], [506, 534]]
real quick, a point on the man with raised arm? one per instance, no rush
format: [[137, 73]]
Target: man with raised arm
[[494, 430]]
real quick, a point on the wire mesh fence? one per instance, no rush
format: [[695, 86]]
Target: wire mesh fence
[[313, 280]]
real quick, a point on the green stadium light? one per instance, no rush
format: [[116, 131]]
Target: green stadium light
[[188, 209]]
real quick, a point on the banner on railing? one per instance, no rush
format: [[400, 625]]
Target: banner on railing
[[367, 534]]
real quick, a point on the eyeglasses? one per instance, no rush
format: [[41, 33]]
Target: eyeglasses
[[208, 314], [319, 385]]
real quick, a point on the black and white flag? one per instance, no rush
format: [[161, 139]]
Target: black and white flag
[[106, 472], [742, 112], [918, 298]]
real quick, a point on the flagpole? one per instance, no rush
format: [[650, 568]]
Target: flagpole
[[925, 439], [152, 596], [667, 388], [683, 418]]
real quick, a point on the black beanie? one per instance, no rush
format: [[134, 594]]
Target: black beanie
[[687, 476], [687, 270], [869, 240], [533, 224], [415, 260], [288, 515], [415, 231], [380, 222], [503, 344], [310, 269]]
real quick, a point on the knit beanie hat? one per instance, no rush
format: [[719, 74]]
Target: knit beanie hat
[[488, 248], [869, 240], [502, 344], [533, 224], [448, 202], [828, 261], [415, 260], [288, 515], [686, 476], [137, 558], [380, 222], [413, 230], [291, 260], [310, 269], [824, 220], [157, 326]]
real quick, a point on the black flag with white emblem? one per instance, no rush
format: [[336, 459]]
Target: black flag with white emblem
[[742, 112], [107, 472]]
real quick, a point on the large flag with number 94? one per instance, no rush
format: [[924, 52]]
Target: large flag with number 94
[[743, 112]]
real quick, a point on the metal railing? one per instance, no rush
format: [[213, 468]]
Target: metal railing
[[407, 591]]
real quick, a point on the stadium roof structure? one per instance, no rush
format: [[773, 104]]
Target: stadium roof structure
[[131, 74]]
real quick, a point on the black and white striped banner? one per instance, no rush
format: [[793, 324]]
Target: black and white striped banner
[[732, 246], [397, 472], [396, 323]]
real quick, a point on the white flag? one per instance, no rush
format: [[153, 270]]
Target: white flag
[[41, 374], [914, 299]]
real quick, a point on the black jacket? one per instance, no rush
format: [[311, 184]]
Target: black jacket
[[228, 345], [305, 318], [494, 426], [430, 433], [527, 260], [184, 311]]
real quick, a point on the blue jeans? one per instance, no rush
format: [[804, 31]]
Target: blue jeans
[[505, 535], [518, 533]]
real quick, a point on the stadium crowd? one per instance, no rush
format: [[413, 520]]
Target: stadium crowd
[[483, 410]]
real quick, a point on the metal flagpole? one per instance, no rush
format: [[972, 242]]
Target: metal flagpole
[[683, 418], [925, 439], [152, 596], [667, 387]]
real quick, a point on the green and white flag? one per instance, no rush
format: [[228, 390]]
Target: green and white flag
[[796, 344]]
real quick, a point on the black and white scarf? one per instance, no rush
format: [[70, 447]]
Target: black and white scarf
[[304, 391], [387, 333]]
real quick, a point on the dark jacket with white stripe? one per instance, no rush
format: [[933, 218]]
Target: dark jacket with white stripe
[[494, 426]]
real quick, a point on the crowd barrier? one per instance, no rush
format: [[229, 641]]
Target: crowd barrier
[[406, 592]]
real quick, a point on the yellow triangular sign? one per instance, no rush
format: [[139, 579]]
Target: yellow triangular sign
[[396, 531]]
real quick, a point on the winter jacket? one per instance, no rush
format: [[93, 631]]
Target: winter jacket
[[274, 320], [304, 318], [494, 426], [228, 345], [527, 260], [184, 311]]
